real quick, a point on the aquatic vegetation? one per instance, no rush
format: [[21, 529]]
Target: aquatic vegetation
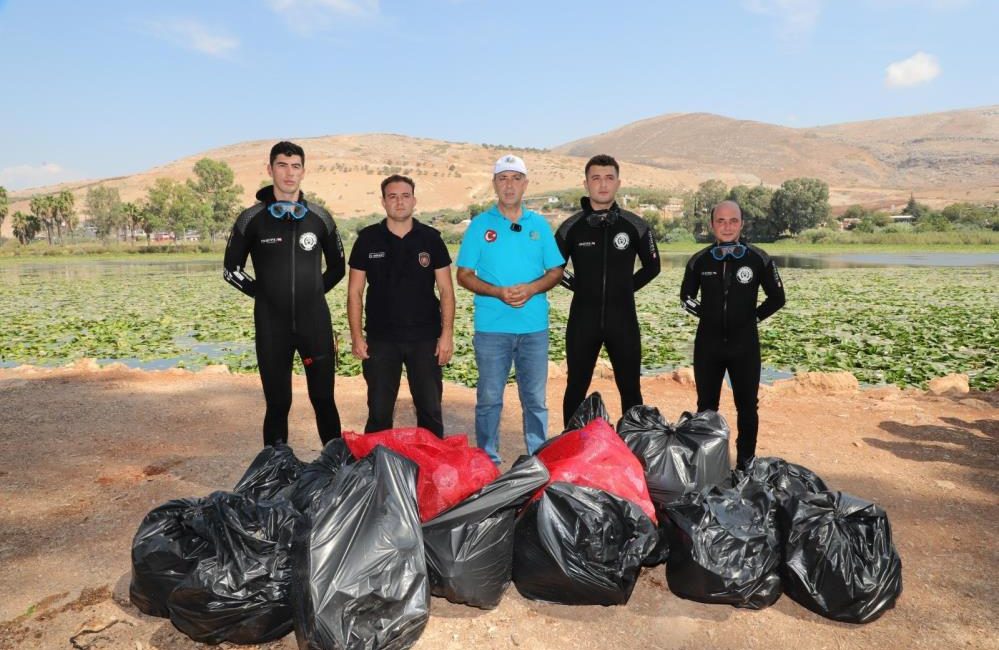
[[896, 325]]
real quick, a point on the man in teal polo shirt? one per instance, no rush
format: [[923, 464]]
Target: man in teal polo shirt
[[509, 259]]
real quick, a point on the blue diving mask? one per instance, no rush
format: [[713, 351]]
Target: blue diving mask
[[734, 250], [288, 210]]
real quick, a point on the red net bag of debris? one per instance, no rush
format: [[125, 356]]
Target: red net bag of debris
[[595, 456], [450, 470]]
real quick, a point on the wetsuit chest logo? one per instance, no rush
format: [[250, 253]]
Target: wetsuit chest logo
[[744, 275], [424, 259], [308, 241], [621, 241], [271, 240]]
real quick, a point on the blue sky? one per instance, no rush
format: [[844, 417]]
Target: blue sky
[[104, 88]]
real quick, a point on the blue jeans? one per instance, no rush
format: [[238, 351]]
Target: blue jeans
[[493, 355]]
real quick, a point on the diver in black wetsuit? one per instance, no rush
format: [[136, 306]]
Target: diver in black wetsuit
[[602, 241], [287, 239], [728, 275]]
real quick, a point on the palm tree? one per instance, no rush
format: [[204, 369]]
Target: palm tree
[[65, 213], [4, 207], [25, 226], [131, 216], [41, 208]]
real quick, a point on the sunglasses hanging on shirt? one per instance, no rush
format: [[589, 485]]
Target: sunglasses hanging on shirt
[[720, 251], [516, 227], [288, 210]]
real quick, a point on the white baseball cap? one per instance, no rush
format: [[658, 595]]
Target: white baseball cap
[[510, 163]]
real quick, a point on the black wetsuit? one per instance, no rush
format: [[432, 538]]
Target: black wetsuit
[[727, 338], [602, 246], [289, 310]]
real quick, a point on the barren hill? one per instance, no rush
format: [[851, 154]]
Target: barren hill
[[345, 170], [941, 156], [952, 149]]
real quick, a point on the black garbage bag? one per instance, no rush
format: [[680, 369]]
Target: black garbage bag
[[470, 546], [580, 546], [646, 432], [238, 592], [360, 573], [164, 550], [839, 560], [785, 479], [678, 459], [724, 546], [273, 470], [660, 552], [588, 410], [318, 475]]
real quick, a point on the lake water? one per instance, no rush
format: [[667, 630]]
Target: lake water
[[38, 285], [138, 268], [865, 260]]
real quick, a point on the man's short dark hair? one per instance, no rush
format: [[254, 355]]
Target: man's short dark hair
[[602, 160], [286, 148], [398, 178]]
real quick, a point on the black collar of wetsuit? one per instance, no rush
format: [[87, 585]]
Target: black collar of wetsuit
[[266, 194], [600, 217]]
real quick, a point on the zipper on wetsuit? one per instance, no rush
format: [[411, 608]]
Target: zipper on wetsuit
[[603, 289], [725, 301], [294, 242]]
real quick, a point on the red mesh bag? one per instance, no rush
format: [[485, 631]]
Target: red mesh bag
[[595, 456], [450, 470]]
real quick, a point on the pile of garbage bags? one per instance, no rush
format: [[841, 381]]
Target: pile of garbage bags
[[348, 549], [334, 549]]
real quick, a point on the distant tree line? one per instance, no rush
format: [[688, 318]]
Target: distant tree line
[[798, 204], [956, 216], [208, 203]]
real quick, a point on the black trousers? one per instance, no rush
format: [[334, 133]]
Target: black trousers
[[740, 356], [276, 347], [382, 372], [583, 339]]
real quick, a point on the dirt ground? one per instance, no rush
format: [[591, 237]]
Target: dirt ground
[[85, 453]]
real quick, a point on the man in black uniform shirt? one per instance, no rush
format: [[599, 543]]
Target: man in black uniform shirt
[[401, 260], [287, 239], [728, 275], [602, 241]]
